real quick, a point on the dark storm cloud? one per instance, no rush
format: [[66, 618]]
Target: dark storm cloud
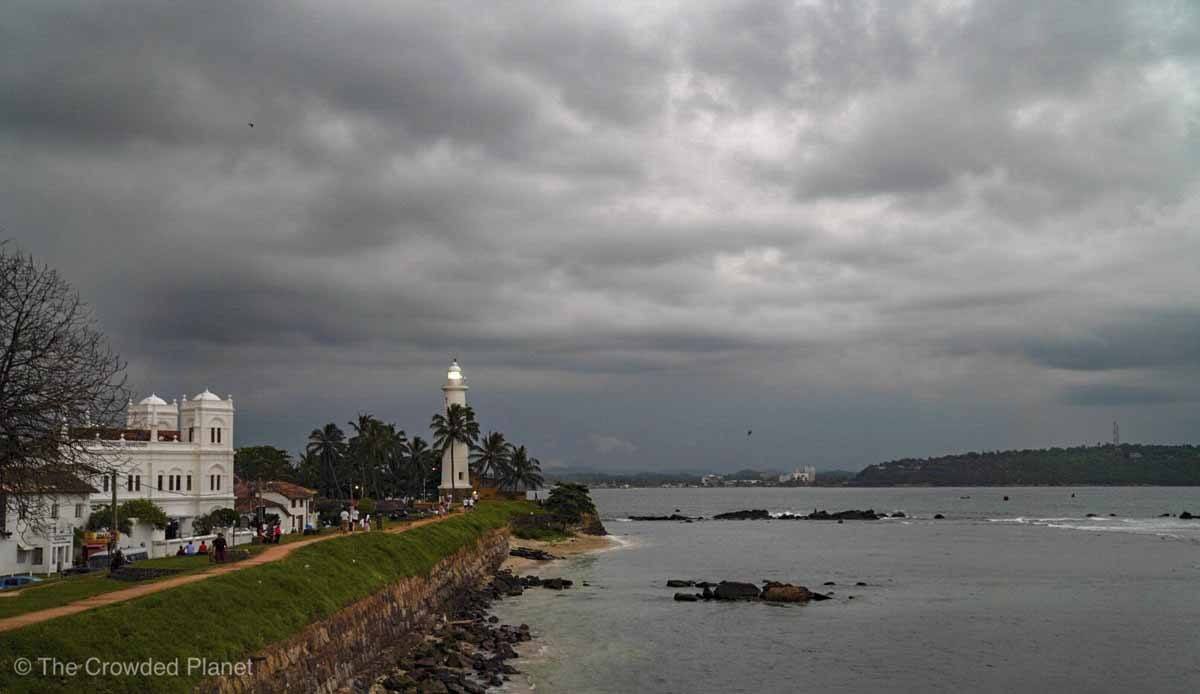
[[1108, 395], [856, 216], [1168, 339]]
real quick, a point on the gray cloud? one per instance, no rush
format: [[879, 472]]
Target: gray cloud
[[884, 230]]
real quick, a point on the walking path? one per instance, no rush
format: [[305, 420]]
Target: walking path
[[274, 553]]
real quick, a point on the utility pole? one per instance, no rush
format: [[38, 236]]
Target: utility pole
[[112, 533]]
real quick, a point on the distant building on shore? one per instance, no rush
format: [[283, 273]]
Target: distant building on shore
[[804, 475]]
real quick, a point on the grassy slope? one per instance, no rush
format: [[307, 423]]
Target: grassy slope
[[58, 592], [228, 617]]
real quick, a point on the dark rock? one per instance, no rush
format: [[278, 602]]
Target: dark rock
[[853, 514], [591, 525], [1186, 516], [733, 590], [830, 583], [398, 683], [938, 516], [686, 597], [557, 583], [535, 554], [817, 597], [707, 594], [679, 583], [705, 584], [785, 592], [1091, 515], [756, 514], [899, 514], [860, 583]]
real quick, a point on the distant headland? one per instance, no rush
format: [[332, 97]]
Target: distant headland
[[1102, 465]]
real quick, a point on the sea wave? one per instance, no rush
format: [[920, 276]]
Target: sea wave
[[1162, 527]]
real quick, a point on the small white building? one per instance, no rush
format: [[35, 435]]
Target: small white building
[[293, 503], [804, 475], [178, 455], [45, 544]]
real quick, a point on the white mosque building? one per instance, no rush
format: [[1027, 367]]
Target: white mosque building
[[178, 455], [456, 478]]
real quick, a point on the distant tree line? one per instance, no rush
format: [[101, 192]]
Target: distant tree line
[[1127, 464]]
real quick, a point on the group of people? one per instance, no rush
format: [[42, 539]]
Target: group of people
[[270, 534], [351, 520], [446, 503], [191, 549]]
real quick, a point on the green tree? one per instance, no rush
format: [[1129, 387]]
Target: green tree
[[368, 450], [220, 518], [490, 457], [328, 444], [263, 462], [522, 471], [423, 465], [458, 425], [143, 510], [570, 501]]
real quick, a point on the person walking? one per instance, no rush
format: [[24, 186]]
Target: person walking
[[219, 547], [345, 520]]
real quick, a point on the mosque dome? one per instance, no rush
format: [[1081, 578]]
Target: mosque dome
[[207, 395], [152, 399]]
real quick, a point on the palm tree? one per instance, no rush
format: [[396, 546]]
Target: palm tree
[[421, 463], [368, 448], [329, 445], [397, 459], [522, 471], [490, 456], [458, 425]]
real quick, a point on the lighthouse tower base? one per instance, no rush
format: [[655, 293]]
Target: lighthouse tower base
[[457, 493]]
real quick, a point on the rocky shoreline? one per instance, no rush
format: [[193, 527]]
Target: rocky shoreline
[[469, 651]]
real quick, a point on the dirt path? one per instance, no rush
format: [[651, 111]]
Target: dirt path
[[274, 553]]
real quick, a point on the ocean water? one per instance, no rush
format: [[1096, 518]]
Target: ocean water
[[1024, 595]]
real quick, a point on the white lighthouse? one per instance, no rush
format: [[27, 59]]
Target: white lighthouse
[[456, 477]]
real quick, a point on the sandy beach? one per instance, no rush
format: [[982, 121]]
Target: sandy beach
[[579, 544]]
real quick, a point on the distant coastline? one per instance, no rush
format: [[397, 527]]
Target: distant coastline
[[1106, 465]]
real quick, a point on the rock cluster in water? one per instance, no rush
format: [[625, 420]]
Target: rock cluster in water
[[672, 517], [772, 591], [506, 583], [535, 554], [762, 514]]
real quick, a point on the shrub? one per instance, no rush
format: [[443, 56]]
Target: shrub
[[220, 518]]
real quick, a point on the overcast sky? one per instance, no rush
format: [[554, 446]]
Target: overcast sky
[[863, 230]]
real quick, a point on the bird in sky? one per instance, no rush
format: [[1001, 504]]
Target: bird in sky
[[749, 431]]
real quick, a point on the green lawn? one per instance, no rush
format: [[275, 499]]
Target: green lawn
[[228, 617]]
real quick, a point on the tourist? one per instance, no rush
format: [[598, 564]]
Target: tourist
[[219, 547], [179, 552], [345, 520], [278, 532], [203, 548]]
